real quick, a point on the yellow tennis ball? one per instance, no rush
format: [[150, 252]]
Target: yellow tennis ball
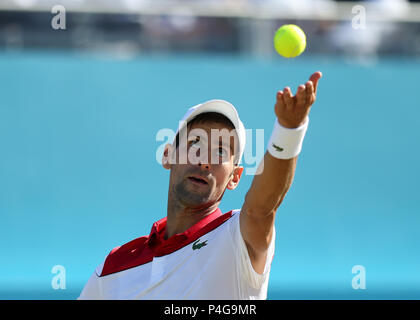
[[289, 41]]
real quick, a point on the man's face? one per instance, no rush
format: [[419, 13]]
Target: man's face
[[204, 164]]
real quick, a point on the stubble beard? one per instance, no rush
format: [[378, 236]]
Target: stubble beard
[[189, 197]]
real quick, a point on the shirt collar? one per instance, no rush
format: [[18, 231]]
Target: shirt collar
[[157, 241]]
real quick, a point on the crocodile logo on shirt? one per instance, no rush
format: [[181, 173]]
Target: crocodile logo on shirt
[[196, 245]]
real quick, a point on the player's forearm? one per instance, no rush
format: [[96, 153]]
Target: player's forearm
[[269, 188]]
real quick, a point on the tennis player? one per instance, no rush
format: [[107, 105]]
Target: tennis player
[[196, 251]]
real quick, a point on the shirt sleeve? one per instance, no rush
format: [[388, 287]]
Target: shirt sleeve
[[248, 275]]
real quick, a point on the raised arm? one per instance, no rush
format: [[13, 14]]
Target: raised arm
[[269, 188]]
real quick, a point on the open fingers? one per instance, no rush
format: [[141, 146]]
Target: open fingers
[[301, 95], [310, 96], [288, 98], [315, 78], [280, 100]]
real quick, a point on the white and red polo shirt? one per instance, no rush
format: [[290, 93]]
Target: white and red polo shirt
[[209, 261]]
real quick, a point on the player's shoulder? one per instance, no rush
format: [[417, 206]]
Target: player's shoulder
[[234, 215], [226, 222]]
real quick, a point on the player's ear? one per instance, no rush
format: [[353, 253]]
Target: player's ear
[[236, 176], [167, 157]]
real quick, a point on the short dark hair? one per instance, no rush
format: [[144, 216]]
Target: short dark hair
[[207, 117]]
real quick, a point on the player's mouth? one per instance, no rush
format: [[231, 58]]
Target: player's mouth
[[198, 180]]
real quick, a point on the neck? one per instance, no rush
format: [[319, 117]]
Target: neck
[[180, 218]]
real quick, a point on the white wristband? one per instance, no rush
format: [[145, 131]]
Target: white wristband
[[286, 143]]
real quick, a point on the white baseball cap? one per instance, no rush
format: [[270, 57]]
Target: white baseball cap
[[225, 108]]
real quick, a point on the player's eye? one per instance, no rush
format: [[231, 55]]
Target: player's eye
[[222, 153]]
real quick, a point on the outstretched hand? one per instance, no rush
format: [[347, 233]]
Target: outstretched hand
[[291, 111]]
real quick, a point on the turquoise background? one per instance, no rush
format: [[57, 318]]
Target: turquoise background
[[78, 174]]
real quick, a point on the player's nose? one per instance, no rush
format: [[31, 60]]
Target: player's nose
[[205, 166]]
